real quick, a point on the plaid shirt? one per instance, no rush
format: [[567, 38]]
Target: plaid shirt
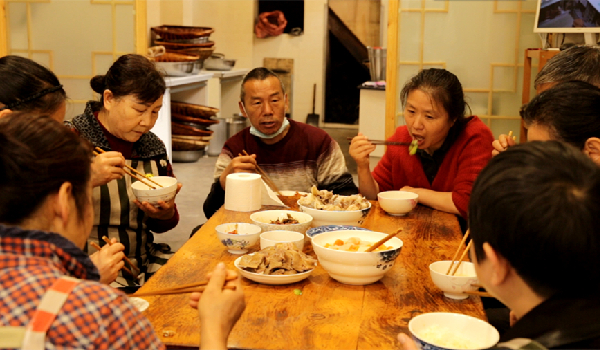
[[95, 316]]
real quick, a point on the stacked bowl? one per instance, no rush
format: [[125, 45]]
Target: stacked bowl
[[185, 40]]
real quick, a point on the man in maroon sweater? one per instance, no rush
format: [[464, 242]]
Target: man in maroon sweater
[[296, 156]]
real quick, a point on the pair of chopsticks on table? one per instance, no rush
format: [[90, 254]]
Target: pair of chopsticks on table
[[383, 240], [384, 142], [133, 173], [265, 177], [133, 267], [481, 294], [197, 287]]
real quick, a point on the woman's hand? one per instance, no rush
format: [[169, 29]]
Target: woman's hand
[[106, 167], [360, 148], [165, 210], [240, 164], [219, 308], [109, 260], [502, 144]]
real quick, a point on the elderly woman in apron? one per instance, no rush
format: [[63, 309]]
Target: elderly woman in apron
[[119, 124]]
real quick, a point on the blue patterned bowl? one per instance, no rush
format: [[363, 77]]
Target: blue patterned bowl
[[238, 243], [328, 228], [356, 268]]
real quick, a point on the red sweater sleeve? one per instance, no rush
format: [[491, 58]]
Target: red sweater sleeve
[[475, 153]]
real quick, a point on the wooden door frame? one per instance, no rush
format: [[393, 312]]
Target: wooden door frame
[[391, 88], [141, 30]]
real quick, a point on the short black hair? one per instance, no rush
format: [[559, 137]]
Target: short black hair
[[570, 111], [538, 205], [260, 73], [131, 74], [579, 62]]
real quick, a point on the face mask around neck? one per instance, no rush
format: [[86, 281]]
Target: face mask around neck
[[254, 131]]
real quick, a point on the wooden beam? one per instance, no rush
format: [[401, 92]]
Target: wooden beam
[[141, 27], [3, 29], [391, 74], [350, 41]]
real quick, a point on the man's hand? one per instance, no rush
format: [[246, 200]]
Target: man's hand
[[239, 164], [106, 167], [109, 260]]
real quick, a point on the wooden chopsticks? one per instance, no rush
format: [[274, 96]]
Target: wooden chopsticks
[[384, 142], [265, 177], [133, 173], [383, 240], [95, 245], [510, 136], [462, 255], [187, 288], [135, 268]]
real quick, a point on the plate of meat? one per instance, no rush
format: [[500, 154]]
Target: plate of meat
[[279, 264]]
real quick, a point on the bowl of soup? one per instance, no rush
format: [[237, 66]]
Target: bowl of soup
[[286, 220], [342, 254]]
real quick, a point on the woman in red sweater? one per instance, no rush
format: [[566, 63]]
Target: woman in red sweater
[[452, 148]]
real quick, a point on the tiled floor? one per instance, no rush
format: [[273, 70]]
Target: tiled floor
[[197, 179]]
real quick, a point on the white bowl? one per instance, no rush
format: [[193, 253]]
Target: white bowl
[[271, 238], [397, 203], [239, 243], [143, 193], [445, 326], [264, 218], [453, 286], [336, 217], [271, 279], [311, 233], [354, 267]]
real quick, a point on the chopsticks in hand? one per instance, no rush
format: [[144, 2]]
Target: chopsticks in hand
[[383, 240], [385, 143], [96, 246], [186, 288], [133, 173], [135, 268], [264, 176], [462, 255]]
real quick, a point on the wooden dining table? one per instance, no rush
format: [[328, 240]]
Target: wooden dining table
[[327, 314]]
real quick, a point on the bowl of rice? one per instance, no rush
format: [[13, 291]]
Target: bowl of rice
[[444, 330], [327, 208]]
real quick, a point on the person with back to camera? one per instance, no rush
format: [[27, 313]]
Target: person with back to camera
[[580, 62], [29, 87], [130, 97], [51, 297], [452, 148], [294, 155], [533, 219]]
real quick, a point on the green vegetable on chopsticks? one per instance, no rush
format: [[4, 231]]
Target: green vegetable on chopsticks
[[412, 149]]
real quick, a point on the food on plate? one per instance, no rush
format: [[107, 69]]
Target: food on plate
[[326, 200], [280, 259], [444, 337], [354, 244], [289, 220]]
